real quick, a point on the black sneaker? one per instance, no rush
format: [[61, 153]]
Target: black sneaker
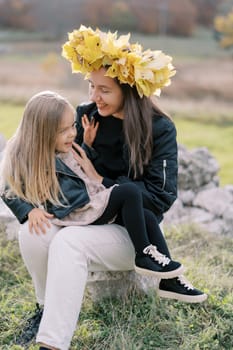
[[153, 263], [181, 289], [31, 328]]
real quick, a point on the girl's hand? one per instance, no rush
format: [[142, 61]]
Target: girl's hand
[[90, 130], [85, 163], [38, 219]]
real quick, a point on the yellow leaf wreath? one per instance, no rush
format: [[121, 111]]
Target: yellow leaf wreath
[[89, 50]]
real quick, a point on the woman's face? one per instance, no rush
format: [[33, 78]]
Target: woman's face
[[66, 132], [106, 93]]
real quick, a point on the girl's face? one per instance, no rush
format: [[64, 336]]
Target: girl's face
[[66, 132], [106, 93]]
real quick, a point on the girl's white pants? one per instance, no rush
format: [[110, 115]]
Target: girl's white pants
[[58, 263]]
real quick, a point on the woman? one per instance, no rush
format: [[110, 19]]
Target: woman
[[127, 137]]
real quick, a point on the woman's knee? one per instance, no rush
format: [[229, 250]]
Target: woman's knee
[[130, 190], [69, 240], [91, 240]]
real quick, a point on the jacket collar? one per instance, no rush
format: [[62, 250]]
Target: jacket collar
[[62, 168]]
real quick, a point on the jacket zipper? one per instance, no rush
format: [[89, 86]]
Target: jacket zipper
[[164, 173]]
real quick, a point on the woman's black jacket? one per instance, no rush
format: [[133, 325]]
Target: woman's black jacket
[[72, 187], [110, 158]]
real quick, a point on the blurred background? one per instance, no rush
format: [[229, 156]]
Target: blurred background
[[198, 34]]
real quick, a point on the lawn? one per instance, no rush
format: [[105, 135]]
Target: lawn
[[10, 118], [137, 322], [218, 138]]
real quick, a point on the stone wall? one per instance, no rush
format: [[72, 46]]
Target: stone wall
[[200, 198]]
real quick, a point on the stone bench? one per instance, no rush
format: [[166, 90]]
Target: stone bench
[[118, 283]]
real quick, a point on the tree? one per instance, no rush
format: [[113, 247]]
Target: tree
[[206, 11], [224, 28], [16, 14]]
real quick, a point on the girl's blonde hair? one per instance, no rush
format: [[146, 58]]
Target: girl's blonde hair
[[28, 165]]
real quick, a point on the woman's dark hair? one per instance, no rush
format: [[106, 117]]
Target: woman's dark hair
[[138, 114]]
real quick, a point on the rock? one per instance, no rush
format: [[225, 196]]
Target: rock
[[216, 227], [200, 199], [2, 145], [118, 283], [196, 168], [229, 188], [12, 229], [196, 215], [2, 142], [228, 217], [215, 200], [175, 213], [9, 221], [186, 197]]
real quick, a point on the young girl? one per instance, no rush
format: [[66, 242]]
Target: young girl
[[48, 177]]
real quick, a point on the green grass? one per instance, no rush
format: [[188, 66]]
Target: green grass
[[137, 322], [216, 136], [10, 116]]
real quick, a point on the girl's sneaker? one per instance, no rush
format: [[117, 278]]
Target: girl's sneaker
[[153, 263]]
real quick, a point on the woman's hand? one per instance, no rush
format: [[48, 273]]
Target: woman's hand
[[85, 163], [38, 219], [90, 130]]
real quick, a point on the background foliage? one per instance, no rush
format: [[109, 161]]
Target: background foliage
[[176, 17]]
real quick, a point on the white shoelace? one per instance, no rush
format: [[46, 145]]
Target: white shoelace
[[156, 255], [185, 282]]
